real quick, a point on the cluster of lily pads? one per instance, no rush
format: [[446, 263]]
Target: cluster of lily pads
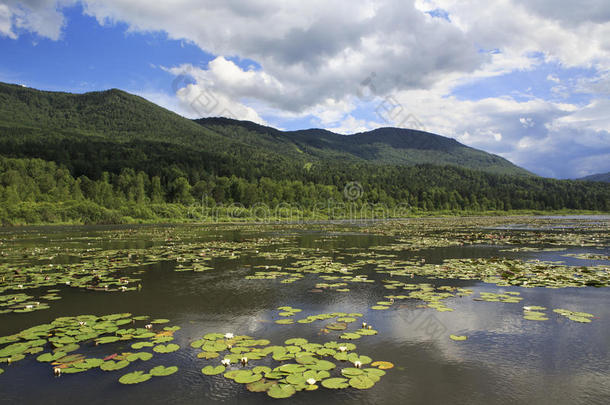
[[340, 322], [588, 256], [575, 316], [508, 296], [300, 365], [507, 272], [433, 297], [535, 313], [64, 342]]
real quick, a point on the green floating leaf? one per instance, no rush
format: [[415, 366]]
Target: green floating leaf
[[144, 356], [281, 391], [260, 386], [296, 379], [350, 336], [261, 370], [207, 355], [112, 365], [162, 371], [352, 372], [159, 321], [172, 347], [458, 337], [247, 378], [284, 321], [141, 345], [382, 365], [48, 357], [135, 378], [296, 341], [213, 336], [108, 339], [361, 382], [335, 383], [211, 370]]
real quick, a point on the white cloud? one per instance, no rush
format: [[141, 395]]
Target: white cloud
[[43, 17], [351, 125], [5, 22], [526, 122], [315, 55]]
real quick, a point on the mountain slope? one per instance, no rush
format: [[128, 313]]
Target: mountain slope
[[119, 117], [381, 146], [110, 154], [604, 177]]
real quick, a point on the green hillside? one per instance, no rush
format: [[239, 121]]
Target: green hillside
[[380, 146], [604, 177], [110, 156]]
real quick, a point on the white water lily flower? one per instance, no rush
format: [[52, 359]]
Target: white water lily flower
[[229, 336], [527, 308], [357, 364], [225, 362], [311, 381], [342, 348]]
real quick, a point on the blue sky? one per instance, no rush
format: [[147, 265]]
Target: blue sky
[[529, 81]]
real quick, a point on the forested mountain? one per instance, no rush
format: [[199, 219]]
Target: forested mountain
[[605, 177], [380, 146], [103, 153]]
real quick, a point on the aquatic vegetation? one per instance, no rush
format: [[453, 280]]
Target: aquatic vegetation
[[162, 371], [135, 378], [211, 370], [510, 296], [302, 365], [510, 272], [533, 313], [581, 317], [387, 277], [172, 347], [63, 343], [588, 256]]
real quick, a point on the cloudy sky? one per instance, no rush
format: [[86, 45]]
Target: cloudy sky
[[526, 79]]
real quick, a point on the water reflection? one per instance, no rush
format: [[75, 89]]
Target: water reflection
[[506, 359]]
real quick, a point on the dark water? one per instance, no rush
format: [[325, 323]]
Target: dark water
[[506, 359]]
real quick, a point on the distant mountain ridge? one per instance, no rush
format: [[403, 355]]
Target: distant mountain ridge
[[117, 116], [113, 149], [382, 145], [604, 177]]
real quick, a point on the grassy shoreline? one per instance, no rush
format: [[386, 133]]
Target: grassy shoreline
[[77, 213]]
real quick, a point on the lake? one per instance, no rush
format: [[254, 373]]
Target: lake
[[415, 282]]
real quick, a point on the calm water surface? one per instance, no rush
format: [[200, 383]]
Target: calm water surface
[[506, 359]]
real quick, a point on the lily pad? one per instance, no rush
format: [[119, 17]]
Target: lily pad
[[260, 386], [361, 382], [211, 370], [279, 391], [172, 347], [335, 383], [135, 378], [382, 365], [247, 378], [162, 371]]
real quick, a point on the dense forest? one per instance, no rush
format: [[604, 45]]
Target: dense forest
[[35, 191], [111, 157]]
